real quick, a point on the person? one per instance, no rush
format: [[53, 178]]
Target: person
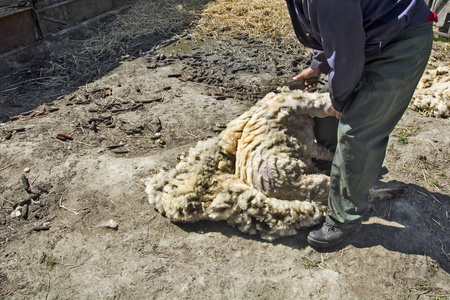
[[374, 53]]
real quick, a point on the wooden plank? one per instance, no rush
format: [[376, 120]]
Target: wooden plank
[[38, 4], [17, 29], [23, 26], [71, 12]]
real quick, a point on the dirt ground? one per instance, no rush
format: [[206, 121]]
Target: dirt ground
[[78, 136]]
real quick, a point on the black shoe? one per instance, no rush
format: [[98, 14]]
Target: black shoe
[[328, 235]]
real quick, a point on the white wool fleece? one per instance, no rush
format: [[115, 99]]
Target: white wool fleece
[[432, 96], [258, 174]]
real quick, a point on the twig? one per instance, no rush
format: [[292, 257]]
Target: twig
[[77, 142], [342, 251], [418, 191], [425, 287], [434, 198], [440, 225], [390, 209], [48, 286], [34, 180], [82, 129], [424, 176], [429, 194], [59, 140], [436, 148], [191, 134], [62, 206], [6, 167], [325, 263], [25, 81], [82, 262], [424, 292], [4, 199], [443, 251]]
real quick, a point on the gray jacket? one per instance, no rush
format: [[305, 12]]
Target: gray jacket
[[344, 33]]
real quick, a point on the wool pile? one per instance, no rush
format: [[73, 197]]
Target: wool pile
[[258, 174], [432, 96]]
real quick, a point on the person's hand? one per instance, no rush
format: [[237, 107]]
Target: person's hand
[[310, 77], [335, 113]]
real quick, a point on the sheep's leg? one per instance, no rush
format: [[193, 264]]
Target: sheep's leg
[[320, 152]]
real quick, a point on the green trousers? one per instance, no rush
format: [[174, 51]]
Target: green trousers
[[361, 136]]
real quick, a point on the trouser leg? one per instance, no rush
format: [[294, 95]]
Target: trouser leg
[[388, 83], [325, 129]]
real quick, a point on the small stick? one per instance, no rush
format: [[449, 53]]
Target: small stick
[[436, 222], [325, 263], [418, 191], [342, 251], [434, 198], [72, 267], [48, 287], [56, 139], [62, 206], [190, 134], [426, 287], [424, 176], [4, 199], [164, 96], [32, 182], [6, 167], [390, 209], [436, 148], [77, 142], [443, 251], [82, 129], [429, 194]]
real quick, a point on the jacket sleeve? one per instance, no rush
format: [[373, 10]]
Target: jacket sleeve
[[319, 62], [343, 39]]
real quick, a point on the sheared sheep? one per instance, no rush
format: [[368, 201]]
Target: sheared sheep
[[258, 174]]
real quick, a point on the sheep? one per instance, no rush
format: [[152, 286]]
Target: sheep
[[257, 175]]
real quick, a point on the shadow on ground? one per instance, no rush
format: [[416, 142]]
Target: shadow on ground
[[414, 223], [61, 63]]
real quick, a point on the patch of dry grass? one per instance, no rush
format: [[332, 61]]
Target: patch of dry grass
[[267, 21]]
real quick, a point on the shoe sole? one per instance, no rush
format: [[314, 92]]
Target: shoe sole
[[319, 244]]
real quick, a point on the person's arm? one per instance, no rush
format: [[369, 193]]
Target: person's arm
[[343, 40], [319, 62]]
